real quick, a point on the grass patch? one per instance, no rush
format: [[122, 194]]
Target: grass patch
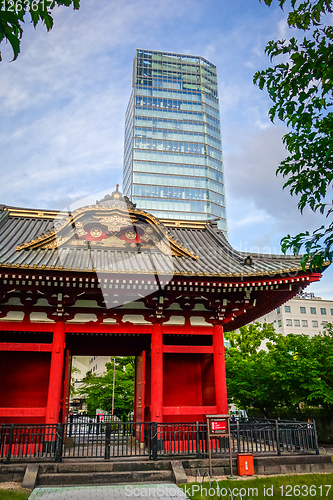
[[14, 495], [307, 486]]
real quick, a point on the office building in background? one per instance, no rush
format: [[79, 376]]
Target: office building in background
[[172, 153], [303, 314]]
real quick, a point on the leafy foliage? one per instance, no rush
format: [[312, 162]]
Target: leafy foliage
[[306, 12], [97, 389], [292, 371], [248, 373], [74, 371], [300, 86], [12, 17]]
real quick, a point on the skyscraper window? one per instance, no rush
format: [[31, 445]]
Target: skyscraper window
[[173, 155]]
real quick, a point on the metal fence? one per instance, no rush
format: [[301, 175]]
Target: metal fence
[[30, 441], [106, 439], [88, 438]]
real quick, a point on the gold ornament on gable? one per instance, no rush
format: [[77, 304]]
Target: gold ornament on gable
[[130, 235], [114, 222], [96, 232], [113, 241]]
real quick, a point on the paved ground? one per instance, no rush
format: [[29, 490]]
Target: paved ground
[[116, 492]]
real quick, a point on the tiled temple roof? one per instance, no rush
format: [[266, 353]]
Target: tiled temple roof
[[125, 239]]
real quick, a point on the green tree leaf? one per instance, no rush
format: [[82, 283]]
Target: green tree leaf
[[97, 389], [268, 371], [11, 22], [301, 91]]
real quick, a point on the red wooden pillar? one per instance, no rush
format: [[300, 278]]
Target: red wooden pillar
[[219, 371], [66, 386], [156, 406], [56, 374]]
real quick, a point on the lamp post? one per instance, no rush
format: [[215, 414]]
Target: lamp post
[[114, 379]]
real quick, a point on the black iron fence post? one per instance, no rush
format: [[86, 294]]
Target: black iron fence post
[[71, 417], [277, 437], [315, 436], [107, 441], [238, 438], [59, 442], [97, 426], [153, 441], [197, 439], [11, 435]]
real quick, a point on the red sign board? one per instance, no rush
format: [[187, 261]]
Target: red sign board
[[219, 426]]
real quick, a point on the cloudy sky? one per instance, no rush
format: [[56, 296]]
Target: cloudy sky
[[63, 104]]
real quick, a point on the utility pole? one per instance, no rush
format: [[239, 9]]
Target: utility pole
[[114, 379]]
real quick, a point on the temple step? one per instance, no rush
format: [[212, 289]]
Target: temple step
[[104, 473]]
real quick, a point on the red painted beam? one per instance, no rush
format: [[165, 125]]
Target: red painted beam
[[204, 349], [19, 346], [91, 327], [94, 327], [25, 326], [136, 329], [187, 330], [189, 410], [22, 412]]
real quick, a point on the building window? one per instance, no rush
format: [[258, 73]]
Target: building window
[[315, 324], [278, 310], [332, 312], [297, 322], [323, 311], [324, 323], [313, 310], [304, 322], [289, 322], [280, 323], [287, 309], [303, 310]]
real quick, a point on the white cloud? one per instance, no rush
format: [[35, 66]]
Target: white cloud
[[249, 220], [262, 125], [253, 188], [283, 29]]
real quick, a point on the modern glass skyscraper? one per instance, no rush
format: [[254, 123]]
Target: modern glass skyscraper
[[172, 155]]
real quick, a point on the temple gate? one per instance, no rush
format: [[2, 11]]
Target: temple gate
[[111, 278]]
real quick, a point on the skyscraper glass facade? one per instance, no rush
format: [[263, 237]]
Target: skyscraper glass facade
[[172, 155]]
